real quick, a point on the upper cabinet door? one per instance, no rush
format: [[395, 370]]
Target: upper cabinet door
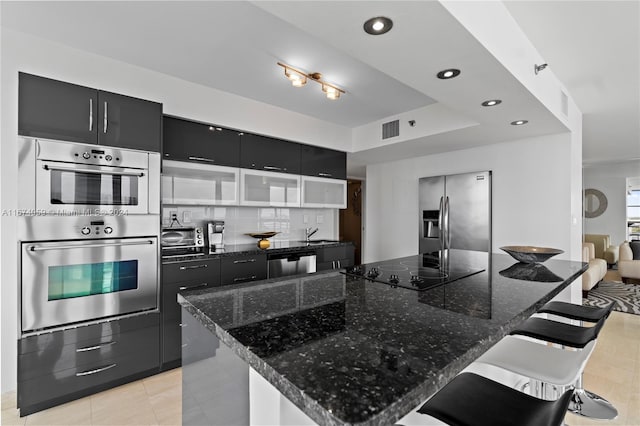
[[269, 154], [323, 162], [186, 140], [128, 122], [56, 110]]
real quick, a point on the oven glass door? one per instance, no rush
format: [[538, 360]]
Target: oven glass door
[[91, 189], [66, 282]]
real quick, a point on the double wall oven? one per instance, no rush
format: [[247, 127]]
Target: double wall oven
[[88, 229]]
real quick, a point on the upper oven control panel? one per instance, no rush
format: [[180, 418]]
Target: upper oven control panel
[[49, 150]]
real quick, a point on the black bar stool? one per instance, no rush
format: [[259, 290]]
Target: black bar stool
[[472, 400], [584, 402]]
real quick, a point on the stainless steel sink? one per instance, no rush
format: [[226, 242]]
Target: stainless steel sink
[[319, 241]]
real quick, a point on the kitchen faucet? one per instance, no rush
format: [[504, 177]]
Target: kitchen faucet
[[308, 232]]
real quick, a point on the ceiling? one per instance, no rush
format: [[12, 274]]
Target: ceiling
[[234, 46]]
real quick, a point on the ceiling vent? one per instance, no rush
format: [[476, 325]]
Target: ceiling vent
[[564, 103], [391, 129]]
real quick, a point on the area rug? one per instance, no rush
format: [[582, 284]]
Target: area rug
[[625, 296]]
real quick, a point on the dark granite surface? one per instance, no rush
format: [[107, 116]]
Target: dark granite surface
[[248, 249], [350, 351]]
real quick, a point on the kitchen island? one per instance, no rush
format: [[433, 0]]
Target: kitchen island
[[347, 350]]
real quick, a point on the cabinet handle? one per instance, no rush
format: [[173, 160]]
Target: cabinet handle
[[93, 348], [184, 268], [244, 261], [106, 121], [325, 174], [97, 370], [271, 168], [191, 287], [90, 114], [339, 266], [252, 277], [333, 264], [208, 160], [183, 325]]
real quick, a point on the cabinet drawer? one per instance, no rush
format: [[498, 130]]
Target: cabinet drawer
[[193, 271], [80, 380], [239, 269], [56, 356], [86, 335]]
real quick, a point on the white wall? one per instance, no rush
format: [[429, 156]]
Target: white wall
[[611, 179], [21, 52], [532, 196]]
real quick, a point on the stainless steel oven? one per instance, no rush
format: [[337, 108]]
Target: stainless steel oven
[[69, 281], [64, 178]]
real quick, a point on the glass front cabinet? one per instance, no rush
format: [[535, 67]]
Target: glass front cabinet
[[199, 184], [259, 188], [324, 193]]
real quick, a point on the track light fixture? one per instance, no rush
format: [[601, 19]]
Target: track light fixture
[[299, 78]]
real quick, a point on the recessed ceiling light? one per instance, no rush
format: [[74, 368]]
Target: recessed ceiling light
[[447, 74], [519, 122], [492, 102], [378, 25]]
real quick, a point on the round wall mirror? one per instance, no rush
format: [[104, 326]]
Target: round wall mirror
[[595, 203]]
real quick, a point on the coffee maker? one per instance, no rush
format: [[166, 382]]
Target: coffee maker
[[215, 233]]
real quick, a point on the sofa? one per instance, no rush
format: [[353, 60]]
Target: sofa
[[604, 249], [628, 266], [596, 271]]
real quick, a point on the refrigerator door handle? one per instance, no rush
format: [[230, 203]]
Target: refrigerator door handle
[[441, 222], [446, 224]]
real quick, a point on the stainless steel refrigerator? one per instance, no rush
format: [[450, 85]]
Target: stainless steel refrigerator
[[455, 212]]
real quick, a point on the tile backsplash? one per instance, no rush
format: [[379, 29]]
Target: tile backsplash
[[289, 222]]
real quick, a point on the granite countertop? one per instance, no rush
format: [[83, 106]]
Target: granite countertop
[[350, 351], [249, 249]]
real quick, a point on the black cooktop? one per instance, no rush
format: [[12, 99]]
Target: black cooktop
[[420, 272]]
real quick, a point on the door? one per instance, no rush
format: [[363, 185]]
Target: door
[[128, 122], [54, 109], [351, 220], [274, 155], [468, 204], [66, 282], [186, 140], [430, 217], [89, 189], [323, 162]]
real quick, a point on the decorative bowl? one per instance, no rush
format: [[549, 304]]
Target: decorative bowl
[[262, 235], [530, 272], [531, 254], [263, 243]]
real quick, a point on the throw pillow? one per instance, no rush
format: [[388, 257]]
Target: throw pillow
[[635, 249]]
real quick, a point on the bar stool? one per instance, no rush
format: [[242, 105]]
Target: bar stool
[[546, 364], [471, 400], [584, 403]]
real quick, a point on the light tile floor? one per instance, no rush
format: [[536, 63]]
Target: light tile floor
[[612, 372]]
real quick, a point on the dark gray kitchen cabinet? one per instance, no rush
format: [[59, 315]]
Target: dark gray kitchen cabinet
[[127, 122], [335, 257], [55, 109], [269, 154], [57, 367], [323, 162], [186, 140], [243, 268], [176, 277]]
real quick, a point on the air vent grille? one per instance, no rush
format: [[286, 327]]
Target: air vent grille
[[391, 129]]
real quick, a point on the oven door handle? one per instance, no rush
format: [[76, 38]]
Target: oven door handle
[[126, 243], [99, 172]]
